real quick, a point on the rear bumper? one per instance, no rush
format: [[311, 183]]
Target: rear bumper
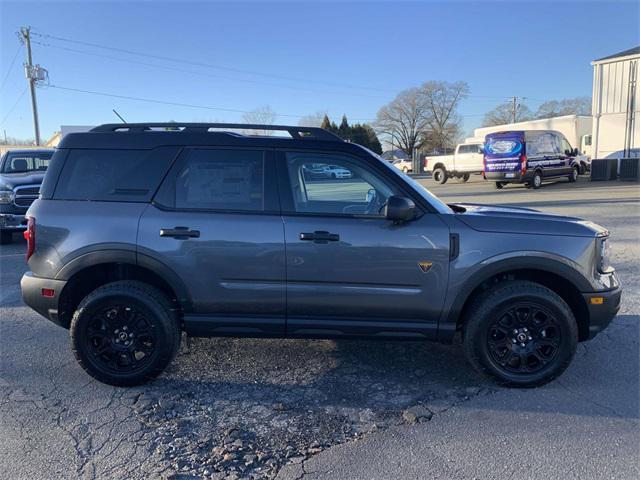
[[13, 221], [604, 309], [32, 288], [517, 177]]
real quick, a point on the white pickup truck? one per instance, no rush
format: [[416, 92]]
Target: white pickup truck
[[466, 160]]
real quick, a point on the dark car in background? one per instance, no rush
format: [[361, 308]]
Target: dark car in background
[[529, 157], [21, 174]]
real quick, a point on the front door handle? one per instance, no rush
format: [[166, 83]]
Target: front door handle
[[320, 236], [179, 232]]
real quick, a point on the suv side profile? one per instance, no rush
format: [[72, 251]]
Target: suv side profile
[[142, 233]]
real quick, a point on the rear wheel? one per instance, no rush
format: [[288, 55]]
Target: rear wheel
[[124, 333], [440, 175], [6, 236], [536, 180], [520, 334], [464, 178], [574, 174], [499, 185], [405, 169]]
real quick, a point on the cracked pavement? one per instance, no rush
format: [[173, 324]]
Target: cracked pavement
[[248, 408]]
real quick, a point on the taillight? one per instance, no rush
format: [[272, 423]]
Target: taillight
[[426, 165], [523, 164], [30, 236]]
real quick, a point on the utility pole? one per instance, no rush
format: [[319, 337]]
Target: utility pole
[[514, 108], [32, 77]]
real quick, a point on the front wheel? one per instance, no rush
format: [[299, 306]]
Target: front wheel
[[124, 333], [405, 169], [574, 175], [440, 175], [520, 334]]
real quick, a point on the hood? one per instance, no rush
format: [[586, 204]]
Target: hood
[[506, 219], [11, 180]]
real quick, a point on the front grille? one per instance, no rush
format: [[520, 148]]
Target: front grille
[[25, 195]]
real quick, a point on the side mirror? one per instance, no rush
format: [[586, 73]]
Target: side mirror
[[399, 209], [575, 152]]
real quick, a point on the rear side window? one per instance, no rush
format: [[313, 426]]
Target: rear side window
[[113, 175], [543, 144], [213, 179]]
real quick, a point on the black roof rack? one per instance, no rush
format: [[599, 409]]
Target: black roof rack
[[312, 133]]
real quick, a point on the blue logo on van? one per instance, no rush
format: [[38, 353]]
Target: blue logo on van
[[504, 146]]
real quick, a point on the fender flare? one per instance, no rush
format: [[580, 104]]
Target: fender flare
[[449, 321], [126, 254]]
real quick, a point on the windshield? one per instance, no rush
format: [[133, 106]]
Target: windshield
[[26, 162], [438, 204]]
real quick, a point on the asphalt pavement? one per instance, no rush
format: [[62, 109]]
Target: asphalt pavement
[[245, 408]]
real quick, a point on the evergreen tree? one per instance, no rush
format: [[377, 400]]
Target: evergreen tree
[[326, 124]]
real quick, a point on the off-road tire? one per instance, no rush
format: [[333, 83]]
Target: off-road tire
[[481, 319], [160, 319], [440, 175]]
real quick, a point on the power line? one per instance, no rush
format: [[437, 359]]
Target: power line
[[13, 61], [202, 74], [14, 106], [213, 66], [177, 104], [206, 65]]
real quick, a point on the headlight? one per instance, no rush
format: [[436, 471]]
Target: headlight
[[6, 196], [605, 246]]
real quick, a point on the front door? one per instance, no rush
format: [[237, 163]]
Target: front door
[[216, 224], [349, 270]]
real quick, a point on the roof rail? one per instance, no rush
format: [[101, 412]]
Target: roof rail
[[312, 133]]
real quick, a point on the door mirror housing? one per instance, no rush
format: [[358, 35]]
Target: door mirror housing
[[399, 209]]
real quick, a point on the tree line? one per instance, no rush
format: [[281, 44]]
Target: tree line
[[503, 113]]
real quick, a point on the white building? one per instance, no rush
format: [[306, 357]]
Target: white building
[[615, 104]]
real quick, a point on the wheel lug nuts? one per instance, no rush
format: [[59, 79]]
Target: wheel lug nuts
[[529, 338], [131, 335], [524, 329], [513, 340], [515, 330], [522, 344], [116, 331], [125, 327]]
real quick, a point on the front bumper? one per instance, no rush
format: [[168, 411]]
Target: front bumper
[[602, 307], [13, 221], [32, 293]]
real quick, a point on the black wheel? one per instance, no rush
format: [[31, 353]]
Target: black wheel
[[520, 334], [536, 180], [574, 174], [6, 236], [333, 175], [405, 169], [465, 177], [499, 185], [440, 175], [124, 333]]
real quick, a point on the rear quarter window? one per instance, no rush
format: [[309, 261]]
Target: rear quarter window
[[113, 175]]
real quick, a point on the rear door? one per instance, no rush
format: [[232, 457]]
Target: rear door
[[216, 223], [349, 270], [503, 152]]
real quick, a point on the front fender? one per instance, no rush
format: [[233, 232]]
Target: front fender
[[460, 290]]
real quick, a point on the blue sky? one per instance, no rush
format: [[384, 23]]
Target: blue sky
[[297, 57]]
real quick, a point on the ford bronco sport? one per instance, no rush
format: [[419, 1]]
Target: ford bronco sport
[[141, 233]]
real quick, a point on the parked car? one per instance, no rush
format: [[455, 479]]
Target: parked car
[[21, 173], [466, 160], [529, 157], [632, 153], [139, 235], [403, 164], [334, 171]]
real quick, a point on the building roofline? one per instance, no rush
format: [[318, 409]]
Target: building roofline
[[629, 53]]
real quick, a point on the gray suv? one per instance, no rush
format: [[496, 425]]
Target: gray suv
[[143, 231]]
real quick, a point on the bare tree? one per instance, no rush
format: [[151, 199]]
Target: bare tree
[[503, 114], [442, 100], [313, 120], [404, 120], [262, 116], [567, 106]]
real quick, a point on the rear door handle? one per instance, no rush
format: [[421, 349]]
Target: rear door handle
[[320, 236], [179, 232]]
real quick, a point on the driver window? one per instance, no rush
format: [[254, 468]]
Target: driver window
[[333, 184]]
